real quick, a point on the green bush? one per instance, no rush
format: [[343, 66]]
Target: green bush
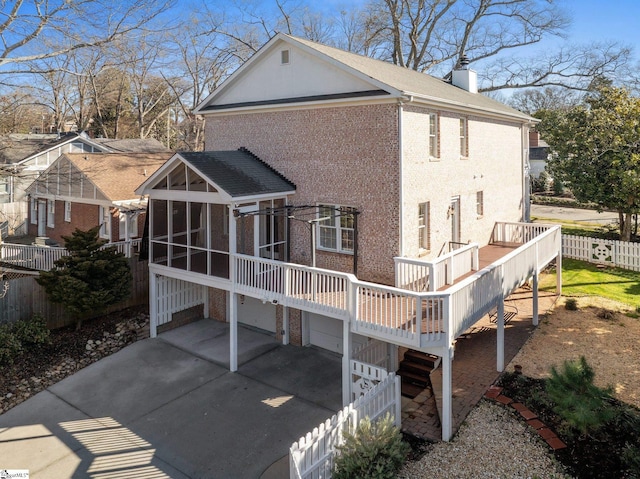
[[571, 304], [33, 331], [375, 450], [580, 403], [10, 345]]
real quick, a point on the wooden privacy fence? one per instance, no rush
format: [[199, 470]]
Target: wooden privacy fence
[[311, 457], [593, 250], [24, 297]]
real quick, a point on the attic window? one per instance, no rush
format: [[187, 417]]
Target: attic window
[[284, 57]]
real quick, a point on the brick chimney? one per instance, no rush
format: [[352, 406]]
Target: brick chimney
[[463, 77]]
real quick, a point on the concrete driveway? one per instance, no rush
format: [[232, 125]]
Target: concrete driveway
[[169, 407]]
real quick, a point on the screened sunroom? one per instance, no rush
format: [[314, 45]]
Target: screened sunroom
[[205, 205]]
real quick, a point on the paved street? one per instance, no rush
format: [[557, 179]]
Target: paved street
[[540, 212]]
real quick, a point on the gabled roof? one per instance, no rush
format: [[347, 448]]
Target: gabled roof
[[135, 145], [15, 148], [117, 175], [397, 81], [238, 173]]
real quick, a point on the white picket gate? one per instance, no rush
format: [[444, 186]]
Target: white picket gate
[[622, 254], [311, 457]]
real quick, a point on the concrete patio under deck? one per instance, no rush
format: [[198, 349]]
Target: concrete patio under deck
[[473, 367]]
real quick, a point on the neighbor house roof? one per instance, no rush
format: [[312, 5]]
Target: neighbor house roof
[[135, 145], [16, 147], [117, 175], [238, 172], [398, 81]]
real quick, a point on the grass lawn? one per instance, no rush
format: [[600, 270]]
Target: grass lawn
[[580, 278]]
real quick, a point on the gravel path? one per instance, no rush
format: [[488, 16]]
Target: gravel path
[[492, 443]]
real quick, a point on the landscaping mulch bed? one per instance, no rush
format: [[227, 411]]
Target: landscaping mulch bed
[[67, 351], [596, 455]]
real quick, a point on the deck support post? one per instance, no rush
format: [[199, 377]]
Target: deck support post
[[233, 332], [500, 335], [535, 298], [205, 302], [447, 395], [392, 363], [153, 305], [285, 325], [559, 271], [346, 363]]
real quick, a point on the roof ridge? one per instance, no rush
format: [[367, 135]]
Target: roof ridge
[[267, 165]]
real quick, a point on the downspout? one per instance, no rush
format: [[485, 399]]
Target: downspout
[[526, 172]]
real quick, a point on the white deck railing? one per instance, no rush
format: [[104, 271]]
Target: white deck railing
[[414, 319], [422, 275], [42, 258]]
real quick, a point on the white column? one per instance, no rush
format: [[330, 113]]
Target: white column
[[153, 305], [500, 336], [559, 271], [233, 332], [346, 363], [447, 395], [285, 325], [535, 298]]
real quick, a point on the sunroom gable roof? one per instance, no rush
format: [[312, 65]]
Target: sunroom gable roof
[[238, 173]]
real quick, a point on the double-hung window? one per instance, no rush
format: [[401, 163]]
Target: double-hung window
[[464, 138], [105, 223], [51, 213], [424, 227], [67, 211], [336, 228], [434, 147], [479, 203]]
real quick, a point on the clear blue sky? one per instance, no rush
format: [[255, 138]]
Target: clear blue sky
[[605, 20]]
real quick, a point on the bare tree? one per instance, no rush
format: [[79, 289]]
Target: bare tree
[[32, 30]]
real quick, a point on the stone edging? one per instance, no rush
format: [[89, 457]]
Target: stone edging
[[495, 393]]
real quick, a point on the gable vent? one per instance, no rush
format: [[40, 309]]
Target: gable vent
[[284, 57]]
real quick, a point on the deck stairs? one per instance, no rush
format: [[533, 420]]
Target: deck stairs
[[415, 370]]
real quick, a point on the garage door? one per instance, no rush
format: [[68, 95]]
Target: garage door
[[326, 333], [253, 312]]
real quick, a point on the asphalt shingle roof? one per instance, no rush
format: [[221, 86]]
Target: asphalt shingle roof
[[15, 148], [135, 145], [238, 172], [410, 81], [117, 175]]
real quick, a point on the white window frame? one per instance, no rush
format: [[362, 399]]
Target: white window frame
[[105, 222], [424, 227], [434, 132], [464, 138], [67, 211], [285, 57], [51, 213], [480, 204], [333, 222]]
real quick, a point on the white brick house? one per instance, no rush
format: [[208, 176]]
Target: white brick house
[[352, 166]]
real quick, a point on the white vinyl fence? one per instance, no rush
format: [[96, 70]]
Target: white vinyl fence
[[311, 457], [621, 254]]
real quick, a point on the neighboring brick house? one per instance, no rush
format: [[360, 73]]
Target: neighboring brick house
[[337, 165], [83, 190]]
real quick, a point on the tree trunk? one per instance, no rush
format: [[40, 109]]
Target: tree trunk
[[625, 227]]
